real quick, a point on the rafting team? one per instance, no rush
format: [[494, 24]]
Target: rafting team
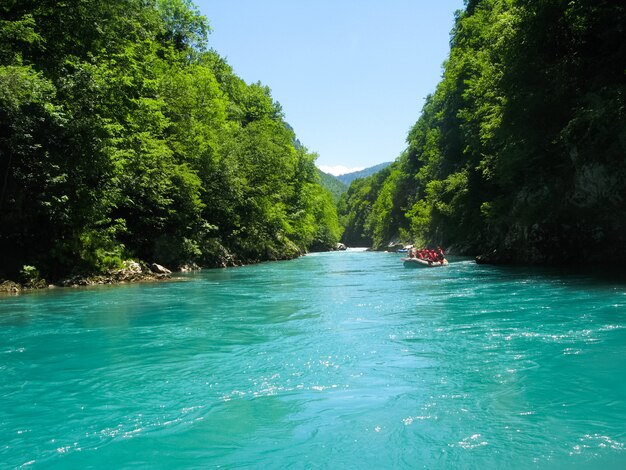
[[432, 256]]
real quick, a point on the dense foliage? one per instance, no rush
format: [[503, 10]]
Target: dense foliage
[[122, 135], [520, 152]]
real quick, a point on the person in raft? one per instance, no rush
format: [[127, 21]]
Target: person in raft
[[432, 256]]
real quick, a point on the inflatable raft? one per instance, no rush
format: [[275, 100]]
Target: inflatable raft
[[422, 263]]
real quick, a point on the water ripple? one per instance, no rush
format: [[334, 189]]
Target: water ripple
[[347, 359]]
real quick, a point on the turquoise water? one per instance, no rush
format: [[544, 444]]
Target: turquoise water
[[335, 360]]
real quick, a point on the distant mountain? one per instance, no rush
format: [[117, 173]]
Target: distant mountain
[[350, 177], [330, 182], [337, 185]]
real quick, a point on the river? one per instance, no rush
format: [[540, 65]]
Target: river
[[334, 360]]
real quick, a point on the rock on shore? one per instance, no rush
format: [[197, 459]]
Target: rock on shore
[[10, 287]]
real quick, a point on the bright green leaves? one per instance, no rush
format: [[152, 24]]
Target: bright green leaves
[[98, 247], [17, 36], [22, 86], [196, 109], [184, 27], [257, 104]]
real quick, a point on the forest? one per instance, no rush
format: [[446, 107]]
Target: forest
[[519, 155], [124, 136]]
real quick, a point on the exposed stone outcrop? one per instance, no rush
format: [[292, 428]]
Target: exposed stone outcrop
[[158, 269], [132, 271]]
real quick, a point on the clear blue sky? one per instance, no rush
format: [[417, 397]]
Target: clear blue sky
[[351, 75]]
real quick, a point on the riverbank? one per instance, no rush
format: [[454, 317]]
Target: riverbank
[[132, 271], [140, 271]]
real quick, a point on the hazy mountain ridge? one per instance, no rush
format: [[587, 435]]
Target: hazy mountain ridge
[[350, 177]]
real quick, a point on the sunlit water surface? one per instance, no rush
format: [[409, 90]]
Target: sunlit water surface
[[335, 360]]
